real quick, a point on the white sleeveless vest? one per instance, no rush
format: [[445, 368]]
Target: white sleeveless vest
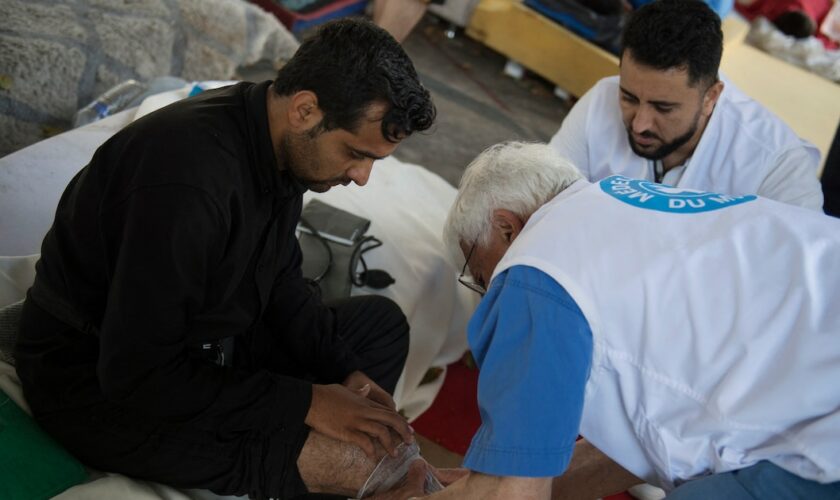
[[715, 321]]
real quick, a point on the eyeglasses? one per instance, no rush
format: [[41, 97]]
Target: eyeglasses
[[472, 285]]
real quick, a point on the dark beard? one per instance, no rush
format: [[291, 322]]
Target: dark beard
[[290, 156], [665, 149]]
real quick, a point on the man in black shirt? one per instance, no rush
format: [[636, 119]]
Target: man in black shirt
[[170, 335]]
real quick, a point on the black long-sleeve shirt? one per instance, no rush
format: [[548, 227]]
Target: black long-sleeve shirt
[[179, 232]]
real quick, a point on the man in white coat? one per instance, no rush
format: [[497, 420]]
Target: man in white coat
[[669, 118], [692, 338]]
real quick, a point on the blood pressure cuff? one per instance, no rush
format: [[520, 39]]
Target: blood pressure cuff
[[335, 283]]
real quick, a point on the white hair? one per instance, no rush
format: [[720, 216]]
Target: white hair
[[517, 176]]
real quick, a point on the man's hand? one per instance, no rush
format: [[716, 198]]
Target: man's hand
[[357, 381], [350, 416]]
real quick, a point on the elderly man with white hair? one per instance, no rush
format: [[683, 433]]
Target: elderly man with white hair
[[691, 338]]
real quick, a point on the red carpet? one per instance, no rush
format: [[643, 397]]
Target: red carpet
[[453, 418]]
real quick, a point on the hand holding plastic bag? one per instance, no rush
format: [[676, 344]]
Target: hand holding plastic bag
[[406, 466]]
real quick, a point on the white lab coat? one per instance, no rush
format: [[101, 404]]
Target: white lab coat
[[745, 149]]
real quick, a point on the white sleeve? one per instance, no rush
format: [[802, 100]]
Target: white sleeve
[[570, 141], [793, 180]]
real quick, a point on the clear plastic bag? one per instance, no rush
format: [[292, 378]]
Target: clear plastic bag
[[391, 470]]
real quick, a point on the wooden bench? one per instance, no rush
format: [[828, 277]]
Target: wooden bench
[[541, 45]]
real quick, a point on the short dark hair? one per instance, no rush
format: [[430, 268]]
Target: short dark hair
[[669, 34], [795, 23], [350, 64]]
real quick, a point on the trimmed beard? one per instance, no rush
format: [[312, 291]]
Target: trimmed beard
[[290, 157], [667, 148]]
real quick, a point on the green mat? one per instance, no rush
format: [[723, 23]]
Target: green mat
[[32, 465]]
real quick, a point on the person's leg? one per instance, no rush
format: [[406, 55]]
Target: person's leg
[[282, 464], [329, 467], [762, 480], [372, 326], [722, 485], [766, 480], [398, 17], [114, 439], [376, 330], [68, 405]]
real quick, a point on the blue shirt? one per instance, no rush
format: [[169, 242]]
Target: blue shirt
[[721, 7], [533, 347]]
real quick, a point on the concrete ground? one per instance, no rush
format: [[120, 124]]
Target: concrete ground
[[478, 105]]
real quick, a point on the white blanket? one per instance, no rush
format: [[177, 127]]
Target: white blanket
[[406, 203]]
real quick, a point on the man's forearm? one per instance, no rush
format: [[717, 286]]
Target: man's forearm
[[590, 475]]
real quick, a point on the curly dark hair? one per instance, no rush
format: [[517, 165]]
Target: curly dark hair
[[350, 64], [676, 34]]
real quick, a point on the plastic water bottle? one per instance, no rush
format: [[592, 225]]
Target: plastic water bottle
[[113, 100]]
